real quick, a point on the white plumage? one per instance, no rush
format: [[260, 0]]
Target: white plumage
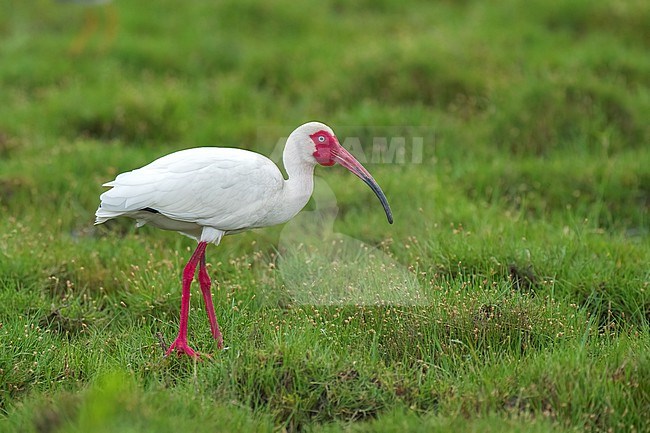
[[227, 189], [208, 192]]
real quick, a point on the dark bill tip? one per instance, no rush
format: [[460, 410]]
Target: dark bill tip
[[380, 195], [348, 161]]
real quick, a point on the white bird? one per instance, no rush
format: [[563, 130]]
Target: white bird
[[208, 192]]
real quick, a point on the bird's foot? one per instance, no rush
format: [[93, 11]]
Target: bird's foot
[[219, 338], [180, 346]]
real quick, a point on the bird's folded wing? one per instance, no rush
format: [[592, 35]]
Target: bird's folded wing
[[224, 188]]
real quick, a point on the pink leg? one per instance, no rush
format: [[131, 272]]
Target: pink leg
[[180, 344], [204, 281]]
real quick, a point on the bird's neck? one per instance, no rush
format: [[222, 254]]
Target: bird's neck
[[300, 182]]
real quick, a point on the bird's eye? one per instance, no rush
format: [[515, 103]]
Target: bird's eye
[[321, 139]]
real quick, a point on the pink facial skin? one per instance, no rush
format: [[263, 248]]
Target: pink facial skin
[[325, 144]]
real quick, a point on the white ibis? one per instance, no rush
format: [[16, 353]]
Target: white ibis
[[208, 192]]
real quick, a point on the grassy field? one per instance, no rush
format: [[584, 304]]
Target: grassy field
[[521, 222]]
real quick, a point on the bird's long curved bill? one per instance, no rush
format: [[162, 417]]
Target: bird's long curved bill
[[345, 158]]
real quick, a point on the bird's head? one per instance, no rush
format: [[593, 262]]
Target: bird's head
[[322, 147]]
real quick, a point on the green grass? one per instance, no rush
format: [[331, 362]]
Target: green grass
[[523, 230]]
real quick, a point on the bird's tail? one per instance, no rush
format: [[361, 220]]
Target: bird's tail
[[119, 201], [103, 215]]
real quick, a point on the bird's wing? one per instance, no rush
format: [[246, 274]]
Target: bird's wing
[[220, 187]]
